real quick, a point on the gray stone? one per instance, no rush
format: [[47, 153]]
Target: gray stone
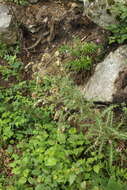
[[109, 81], [8, 32], [33, 1], [98, 11]]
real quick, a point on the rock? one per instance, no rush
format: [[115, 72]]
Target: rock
[[109, 81], [8, 32], [33, 1], [100, 11]]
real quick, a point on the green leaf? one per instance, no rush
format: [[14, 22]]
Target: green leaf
[[61, 138], [90, 160], [25, 173], [16, 171], [22, 180], [96, 168], [96, 188], [39, 187], [51, 162], [83, 185], [31, 180], [72, 179], [36, 172]]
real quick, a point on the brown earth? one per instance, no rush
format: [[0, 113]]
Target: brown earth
[[48, 25], [45, 27]]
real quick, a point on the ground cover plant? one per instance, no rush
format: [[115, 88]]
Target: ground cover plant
[[80, 59], [119, 30], [18, 2], [82, 55], [51, 138]]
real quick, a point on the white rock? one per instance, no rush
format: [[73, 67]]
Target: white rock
[[8, 32], [108, 78], [5, 18]]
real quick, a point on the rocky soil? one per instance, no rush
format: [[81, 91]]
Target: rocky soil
[[46, 26]]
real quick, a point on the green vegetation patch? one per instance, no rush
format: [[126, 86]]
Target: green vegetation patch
[[51, 138], [82, 55], [119, 30], [18, 2]]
